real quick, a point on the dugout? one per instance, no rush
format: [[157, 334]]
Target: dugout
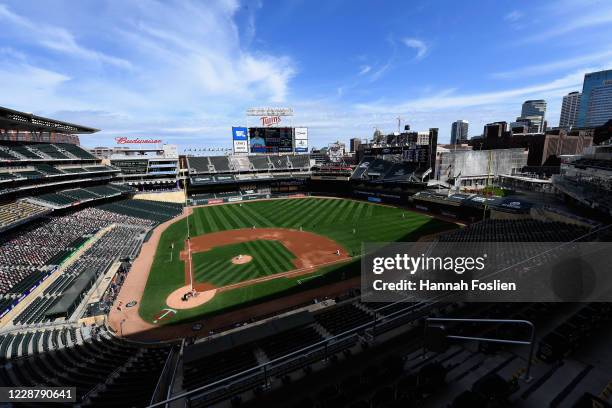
[[72, 297]]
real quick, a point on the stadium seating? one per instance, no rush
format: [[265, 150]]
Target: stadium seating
[[56, 199], [515, 231], [103, 369], [50, 151], [29, 174], [23, 152], [5, 176], [75, 150], [279, 162], [5, 154], [401, 171], [362, 167], [260, 162], [151, 210], [301, 161], [116, 244], [199, 165], [121, 188], [48, 169], [103, 191], [47, 242], [342, 318], [18, 211], [79, 194], [289, 341], [74, 170], [220, 163], [240, 163], [213, 367]]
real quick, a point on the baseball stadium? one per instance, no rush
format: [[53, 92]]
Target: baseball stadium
[[236, 254], [145, 276]]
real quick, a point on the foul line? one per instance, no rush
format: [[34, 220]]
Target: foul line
[[294, 272]]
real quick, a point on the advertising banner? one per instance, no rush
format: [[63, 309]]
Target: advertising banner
[[240, 139], [301, 139]]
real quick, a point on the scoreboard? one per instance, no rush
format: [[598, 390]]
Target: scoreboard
[[271, 140]]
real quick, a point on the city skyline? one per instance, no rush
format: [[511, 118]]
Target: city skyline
[[186, 71]]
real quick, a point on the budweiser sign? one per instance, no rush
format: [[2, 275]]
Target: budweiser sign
[[269, 120], [125, 140]]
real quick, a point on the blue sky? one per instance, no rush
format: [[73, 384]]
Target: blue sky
[[185, 71]]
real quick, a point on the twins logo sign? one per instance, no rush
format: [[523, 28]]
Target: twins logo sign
[[269, 120]]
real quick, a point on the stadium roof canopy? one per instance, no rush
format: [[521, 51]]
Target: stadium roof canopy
[[15, 120], [72, 296]]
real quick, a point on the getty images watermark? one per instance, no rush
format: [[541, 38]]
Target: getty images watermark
[[487, 272]]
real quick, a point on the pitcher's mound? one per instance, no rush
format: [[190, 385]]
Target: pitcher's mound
[[241, 259], [175, 299]]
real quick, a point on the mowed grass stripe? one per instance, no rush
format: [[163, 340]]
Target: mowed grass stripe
[[206, 272], [356, 216], [261, 219], [221, 220], [309, 211], [199, 225], [275, 251], [230, 214], [210, 221], [262, 267], [265, 255], [323, 212], [348, 211], [280, 215], [234, 274], [287, 216], [334, 215], [245, 219]]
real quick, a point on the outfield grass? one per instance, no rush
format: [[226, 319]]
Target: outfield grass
[[346, 221], [215, 266]]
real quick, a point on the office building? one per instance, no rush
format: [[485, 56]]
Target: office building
[[354, 144], [532, 115], [459, 132], [569, 110], [495, 129], [596, 101]]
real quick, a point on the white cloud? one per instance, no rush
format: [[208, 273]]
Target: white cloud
[[173, 68], [574, 21], [57, 39], [418, 45], [364, 69], [451, 100], [513, 16], [566, 63]]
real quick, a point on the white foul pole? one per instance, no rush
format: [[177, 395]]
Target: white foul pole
[[188, 239]]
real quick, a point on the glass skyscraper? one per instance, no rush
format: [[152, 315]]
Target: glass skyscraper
[[596, 102], [532, 114], [569, 110], [459, 132]]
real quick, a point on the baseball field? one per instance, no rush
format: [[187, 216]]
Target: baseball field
[[244, 253]]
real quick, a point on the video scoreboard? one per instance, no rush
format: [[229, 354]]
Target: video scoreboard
[[270, 140]]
